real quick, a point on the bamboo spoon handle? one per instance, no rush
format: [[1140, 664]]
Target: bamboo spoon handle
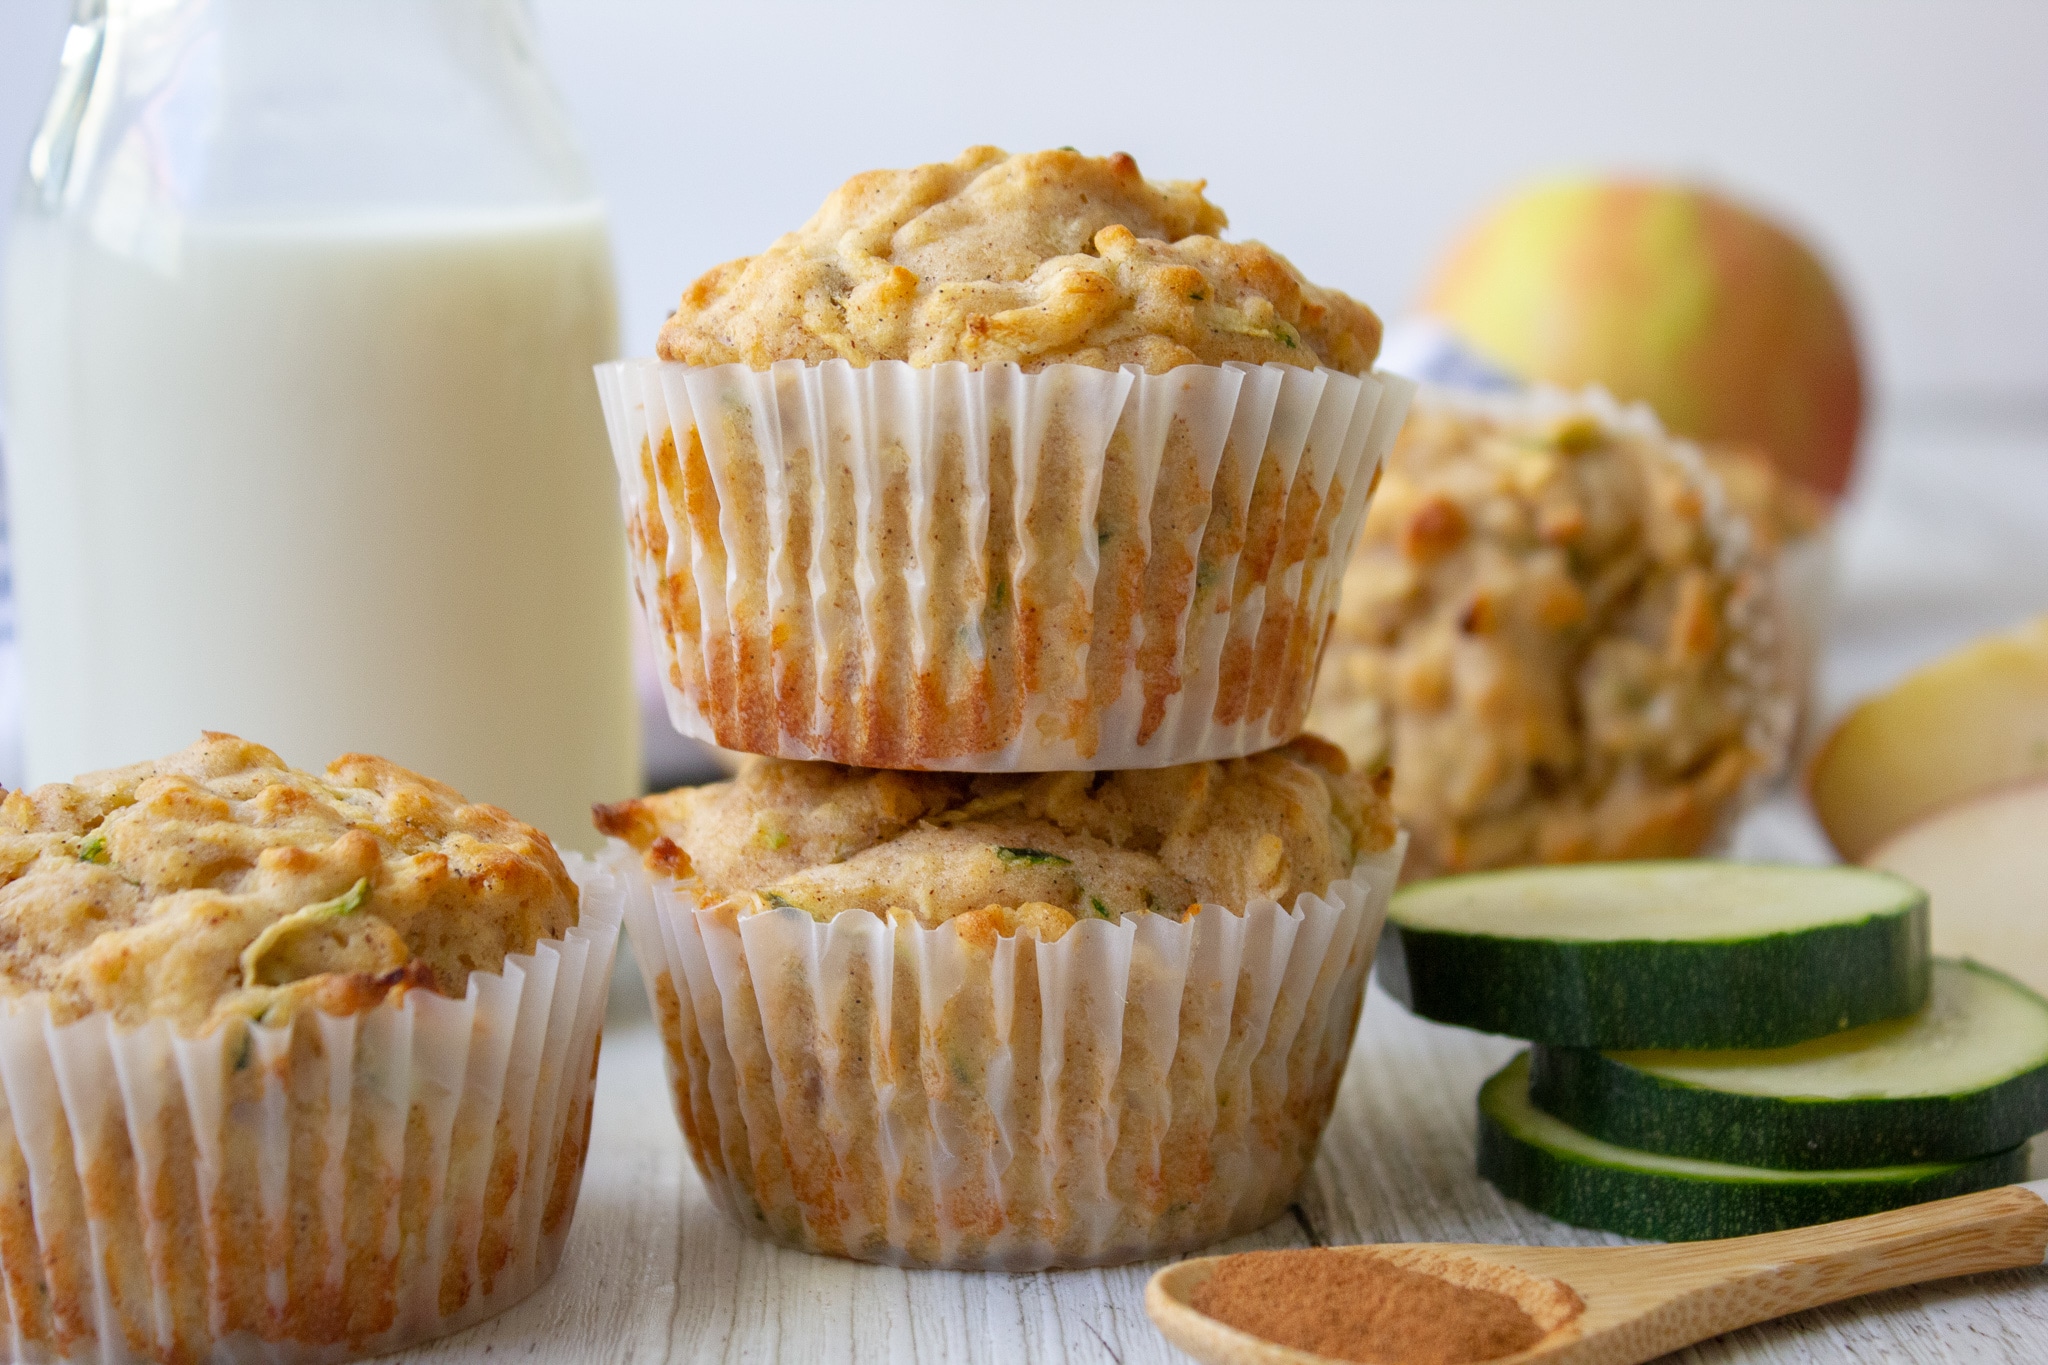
[[1753, 1279]]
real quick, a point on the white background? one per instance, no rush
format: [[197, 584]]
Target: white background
[[1910, 139]]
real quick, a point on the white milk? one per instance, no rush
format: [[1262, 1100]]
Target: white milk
[[329, 487]]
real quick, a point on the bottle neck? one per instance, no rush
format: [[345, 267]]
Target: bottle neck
[[285, 108]]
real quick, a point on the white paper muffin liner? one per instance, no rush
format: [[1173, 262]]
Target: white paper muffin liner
[[989, 570], [339, 1187], [900, 1094]]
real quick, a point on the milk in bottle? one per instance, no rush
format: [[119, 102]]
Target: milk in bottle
[[315, 456]]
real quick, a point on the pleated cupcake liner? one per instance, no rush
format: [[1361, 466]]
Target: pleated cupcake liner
[[928, 1097], [989, 570], [333, 1188]]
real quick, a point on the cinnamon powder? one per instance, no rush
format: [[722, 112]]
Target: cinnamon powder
[[1362, 1308]]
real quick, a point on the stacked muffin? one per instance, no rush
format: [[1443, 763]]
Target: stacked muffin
[[292, 1067], [1010, 483]]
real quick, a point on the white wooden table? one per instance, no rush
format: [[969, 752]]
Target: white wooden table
[[654, 1273]]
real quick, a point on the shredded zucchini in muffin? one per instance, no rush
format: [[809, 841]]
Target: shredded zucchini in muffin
[[1038, 259], [1018, 852], [219, 884]]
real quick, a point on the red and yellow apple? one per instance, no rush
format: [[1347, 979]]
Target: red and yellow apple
[[1971, 722], [1726, 324]]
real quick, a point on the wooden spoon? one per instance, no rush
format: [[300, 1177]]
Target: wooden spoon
[[1625, 1305]]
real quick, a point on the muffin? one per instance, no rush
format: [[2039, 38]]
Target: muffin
[[1003, 464], [1558, 635], [292, 1064], [1003, 1020]]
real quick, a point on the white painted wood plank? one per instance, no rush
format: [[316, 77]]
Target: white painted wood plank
[[654, 1273]]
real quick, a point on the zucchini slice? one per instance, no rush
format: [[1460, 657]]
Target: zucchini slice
[[1557, 1170], [1696, 954], [1966, 1076]]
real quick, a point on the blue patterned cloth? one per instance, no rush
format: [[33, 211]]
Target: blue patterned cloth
[[1424, 350]]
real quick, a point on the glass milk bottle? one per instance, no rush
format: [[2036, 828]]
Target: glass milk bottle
[[301, 307]]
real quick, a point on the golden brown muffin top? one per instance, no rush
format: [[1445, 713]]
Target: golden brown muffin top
[[1034, 850], [1038, 259], [1556, 636], [218, 883]]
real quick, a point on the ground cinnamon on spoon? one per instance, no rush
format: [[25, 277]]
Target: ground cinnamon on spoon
[[1363, 1308]]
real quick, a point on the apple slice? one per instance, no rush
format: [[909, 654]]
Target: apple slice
[[1984, 865], [1975, 720]]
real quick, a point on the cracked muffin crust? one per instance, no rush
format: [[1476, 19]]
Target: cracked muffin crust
[[218, 883], [1018, 852], [1036, 259], [1558, 636]]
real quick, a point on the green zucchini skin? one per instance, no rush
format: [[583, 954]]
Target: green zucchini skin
[[1769, 991], [1665, 1207], [1616, 1102]]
